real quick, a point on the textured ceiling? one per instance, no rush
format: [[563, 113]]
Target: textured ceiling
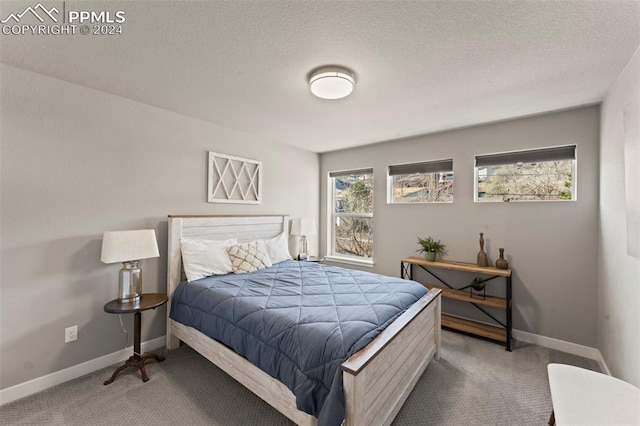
[[420, 67]]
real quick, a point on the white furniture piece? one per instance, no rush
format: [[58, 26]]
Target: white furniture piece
[[377, 380], [584, 397]]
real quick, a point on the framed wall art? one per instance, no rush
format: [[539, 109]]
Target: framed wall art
[[234, 180]]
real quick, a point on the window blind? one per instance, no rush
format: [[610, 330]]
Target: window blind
[[425, 167], [530, 156], [351, 172]]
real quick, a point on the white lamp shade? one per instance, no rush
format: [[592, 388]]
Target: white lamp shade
[[125, 246], [331, 82], [303, 227]]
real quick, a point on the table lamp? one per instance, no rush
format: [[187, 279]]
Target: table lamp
[[129, 247], [303, 227]]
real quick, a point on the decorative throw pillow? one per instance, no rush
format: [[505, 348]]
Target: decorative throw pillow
[[203, 258], [278, 248], [248, 257]]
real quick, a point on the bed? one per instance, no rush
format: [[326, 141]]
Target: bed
[[376, 380]]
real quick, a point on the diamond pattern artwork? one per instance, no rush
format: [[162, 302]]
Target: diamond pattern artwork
[[234, 179]]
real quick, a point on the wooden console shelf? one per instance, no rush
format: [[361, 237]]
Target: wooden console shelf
[[464, 296], [473, 327], [500, 333], [458, 266]]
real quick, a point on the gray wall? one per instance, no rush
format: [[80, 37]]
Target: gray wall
[[76, 162], [551, 246], [619, 282]]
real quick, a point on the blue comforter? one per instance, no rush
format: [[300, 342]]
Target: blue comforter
[[297, 321]]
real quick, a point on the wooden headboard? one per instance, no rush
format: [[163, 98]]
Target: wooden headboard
[[244, 228]]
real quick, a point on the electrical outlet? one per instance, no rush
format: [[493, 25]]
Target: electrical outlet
[[71, 334]]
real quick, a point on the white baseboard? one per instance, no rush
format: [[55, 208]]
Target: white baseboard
[[41, 383], [563, 346]]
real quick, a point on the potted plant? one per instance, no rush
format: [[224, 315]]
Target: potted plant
[[478, 284], [431, 248]]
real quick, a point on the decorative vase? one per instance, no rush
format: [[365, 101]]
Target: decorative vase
[[482, 256], [430, 256], [502, 263]]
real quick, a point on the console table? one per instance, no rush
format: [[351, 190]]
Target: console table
[[502, 331]]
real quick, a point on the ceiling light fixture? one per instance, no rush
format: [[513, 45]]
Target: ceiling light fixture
[[332, 82]]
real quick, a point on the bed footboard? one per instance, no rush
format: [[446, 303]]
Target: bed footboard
[[379, 378]]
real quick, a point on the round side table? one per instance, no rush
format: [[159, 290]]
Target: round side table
[[137, 360]]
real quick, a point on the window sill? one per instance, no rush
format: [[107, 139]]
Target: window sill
[[405, 203], [369, 263]]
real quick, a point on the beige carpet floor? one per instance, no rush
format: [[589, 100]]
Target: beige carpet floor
[[474, 383]]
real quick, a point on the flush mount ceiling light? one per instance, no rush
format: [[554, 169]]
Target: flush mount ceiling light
[[332, 82]]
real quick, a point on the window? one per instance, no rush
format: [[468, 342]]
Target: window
[[351, 217], [546, 174], [428, 182]]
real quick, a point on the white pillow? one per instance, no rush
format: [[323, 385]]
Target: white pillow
[[278, 248], [249, 257], [203, 258]]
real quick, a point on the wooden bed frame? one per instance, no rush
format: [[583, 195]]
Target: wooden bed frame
[[377, 380]]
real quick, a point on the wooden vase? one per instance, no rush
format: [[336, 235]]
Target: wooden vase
[[482, 256], [502, 263]]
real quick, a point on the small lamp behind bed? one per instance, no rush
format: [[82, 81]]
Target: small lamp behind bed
[[303, 227], [129, 247]]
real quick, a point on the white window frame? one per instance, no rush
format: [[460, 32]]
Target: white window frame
[[424, 167], [530, 153], [332, 216]]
